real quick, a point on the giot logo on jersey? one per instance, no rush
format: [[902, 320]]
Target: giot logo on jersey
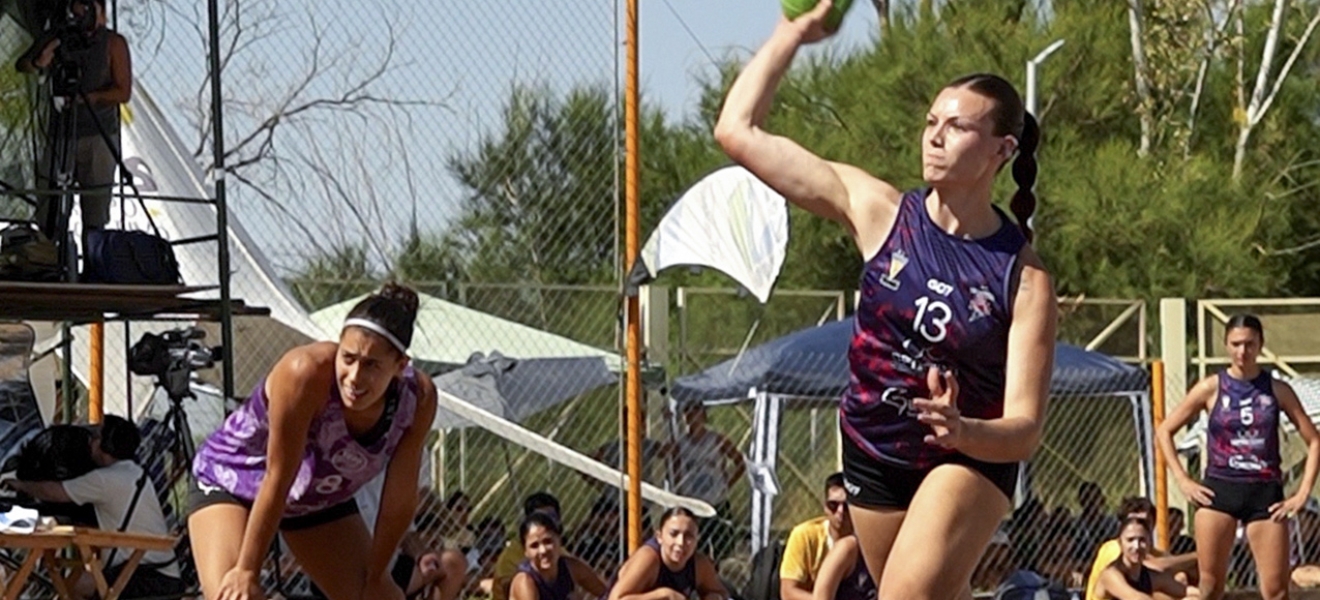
[[939, 287]]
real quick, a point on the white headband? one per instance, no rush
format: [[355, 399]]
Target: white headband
[[377, 328]]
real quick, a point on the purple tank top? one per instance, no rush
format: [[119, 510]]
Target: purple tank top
[[928, 298], [683, 581], [559, 589], [1243, 436], [333, 465]]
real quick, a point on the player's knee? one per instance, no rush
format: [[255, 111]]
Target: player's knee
[[909, 587], [1274, 588], [1211, 585]]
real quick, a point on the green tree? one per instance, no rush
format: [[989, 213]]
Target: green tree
[[329, 279]]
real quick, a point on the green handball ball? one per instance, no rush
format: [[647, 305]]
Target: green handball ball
[[795, 8]]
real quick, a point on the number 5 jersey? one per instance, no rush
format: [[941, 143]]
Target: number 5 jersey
[[928, 298], [1242, 441]]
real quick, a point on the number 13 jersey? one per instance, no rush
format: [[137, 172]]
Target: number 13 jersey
[[928, 298]]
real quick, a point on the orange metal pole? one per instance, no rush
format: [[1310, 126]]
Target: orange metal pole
[[1161, 470], [96, 372], [632, 245]]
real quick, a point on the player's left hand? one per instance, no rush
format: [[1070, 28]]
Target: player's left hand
[[940, 411], [1282, 511]]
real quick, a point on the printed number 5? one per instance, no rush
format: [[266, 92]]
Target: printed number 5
[[940, 314], [1245, 414]]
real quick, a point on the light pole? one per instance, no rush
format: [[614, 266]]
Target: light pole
[[1031, 73], [1023, 490]]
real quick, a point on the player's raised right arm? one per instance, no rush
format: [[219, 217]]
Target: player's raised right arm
[[835, 191]]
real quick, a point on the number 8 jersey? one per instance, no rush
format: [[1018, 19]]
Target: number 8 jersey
[[928, 298]]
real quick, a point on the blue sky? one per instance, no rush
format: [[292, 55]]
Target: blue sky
[[466, 55], [678, 35]]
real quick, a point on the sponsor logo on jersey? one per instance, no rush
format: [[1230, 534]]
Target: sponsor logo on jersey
[[897, 260], [1245, 463], [981, 304]]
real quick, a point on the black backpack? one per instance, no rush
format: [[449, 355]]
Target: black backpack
[[27, 255], [764, 582]]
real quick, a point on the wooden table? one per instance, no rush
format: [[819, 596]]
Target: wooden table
[[91, 302], [87, 544]]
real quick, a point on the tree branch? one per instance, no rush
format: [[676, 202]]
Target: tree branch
[[1288, 64], [1136, 31]]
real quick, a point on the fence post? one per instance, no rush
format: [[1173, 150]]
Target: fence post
[[96, 387], [1161, 473]]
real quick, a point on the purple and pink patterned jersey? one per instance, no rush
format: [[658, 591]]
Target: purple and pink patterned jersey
[[928, 298], [1243, 437], [333, 465], [559, 589]]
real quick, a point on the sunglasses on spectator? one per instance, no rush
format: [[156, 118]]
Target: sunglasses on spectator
[[833, 505]]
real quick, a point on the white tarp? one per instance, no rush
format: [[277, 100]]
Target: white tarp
[[162, 166], [729, 221]]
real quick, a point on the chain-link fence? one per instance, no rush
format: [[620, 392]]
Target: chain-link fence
[[472, 152]]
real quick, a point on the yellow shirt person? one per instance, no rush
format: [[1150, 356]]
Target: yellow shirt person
[[805, 551]]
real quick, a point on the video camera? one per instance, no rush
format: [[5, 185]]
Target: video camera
[[171, 357], [71, 27]]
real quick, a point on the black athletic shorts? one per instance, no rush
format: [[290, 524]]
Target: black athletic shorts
[[1245, 501], [199, 498], [871, 482]]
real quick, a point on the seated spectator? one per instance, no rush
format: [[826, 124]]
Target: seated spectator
[[1129, 578], [810, 541], [454, 523], [1179, 542], [597, 540], [546, 572], [491, 539], [1307, 572], [1026, 534], [115, 487], [843, 574], [506, 566], [1183, 565], [418, 570], [1057, 563], [995, 564], [707, 464], [668, 566], [1093, 524]]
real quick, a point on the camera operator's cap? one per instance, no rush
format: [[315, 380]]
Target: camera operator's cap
[[377, 328]]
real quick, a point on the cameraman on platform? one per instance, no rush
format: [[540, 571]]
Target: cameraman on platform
[[111, 489], [91, 69]]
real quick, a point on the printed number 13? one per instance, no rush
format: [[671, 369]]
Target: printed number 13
[[939, 315]]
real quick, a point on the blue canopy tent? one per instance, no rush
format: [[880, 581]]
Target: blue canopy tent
[[812, 364]]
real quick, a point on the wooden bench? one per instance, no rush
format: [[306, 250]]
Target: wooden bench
[[87, 546]]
